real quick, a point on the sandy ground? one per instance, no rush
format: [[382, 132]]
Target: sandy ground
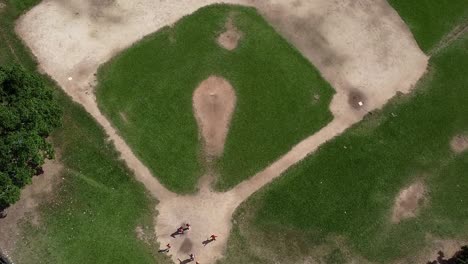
[[214, 101], [459, 143], [362, 47], [26, 208], [408, 201], [231, 37]]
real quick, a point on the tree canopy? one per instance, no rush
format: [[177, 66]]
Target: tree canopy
[[28, 114]]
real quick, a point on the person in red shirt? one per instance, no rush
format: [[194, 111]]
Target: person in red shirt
[[168, 246], [180, 230]]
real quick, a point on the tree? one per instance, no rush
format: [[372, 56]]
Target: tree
[[28, 114]]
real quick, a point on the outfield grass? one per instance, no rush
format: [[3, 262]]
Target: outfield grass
[[430, 20], [93, 215], [11, 48], [350, 192], [152, 83]]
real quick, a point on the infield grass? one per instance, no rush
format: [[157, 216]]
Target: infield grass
[[147, 90]]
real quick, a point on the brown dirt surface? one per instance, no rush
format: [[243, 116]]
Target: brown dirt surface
[[26, 209], [408, 201], [459, 143], [230, 38], [357, 45], [214, 101]]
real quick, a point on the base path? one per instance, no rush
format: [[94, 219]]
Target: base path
[[362, 48]]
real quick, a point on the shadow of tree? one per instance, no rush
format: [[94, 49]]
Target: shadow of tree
[[460, 257]]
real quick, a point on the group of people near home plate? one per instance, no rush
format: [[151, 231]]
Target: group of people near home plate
[[181, 231]]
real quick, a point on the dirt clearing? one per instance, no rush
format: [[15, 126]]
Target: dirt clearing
[[230, 38], [26, 209], [459, 143], [408, 202], [214, 101]]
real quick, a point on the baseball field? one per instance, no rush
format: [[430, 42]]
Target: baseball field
[[297, 132]]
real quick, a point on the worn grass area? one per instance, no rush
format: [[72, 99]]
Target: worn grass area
[[350, 192], [431, 20], [92, 217], [152, 83]]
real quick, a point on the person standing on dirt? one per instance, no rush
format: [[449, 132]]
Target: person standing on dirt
[[166, 250], [187, 227], [180, 230], [192, 257], [213, 237]]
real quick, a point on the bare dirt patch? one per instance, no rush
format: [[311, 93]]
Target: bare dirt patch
[[230, 38], [408, 201], [26, 209], [459, 143], [214, 101]]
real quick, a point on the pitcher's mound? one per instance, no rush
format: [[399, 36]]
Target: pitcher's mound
[[213, 103]]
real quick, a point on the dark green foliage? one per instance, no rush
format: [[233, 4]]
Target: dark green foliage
[[28, 114]]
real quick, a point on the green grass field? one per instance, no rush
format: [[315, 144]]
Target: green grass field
[[92, 217], [347, 194], [430, 20], [152, 85], [11, 48]]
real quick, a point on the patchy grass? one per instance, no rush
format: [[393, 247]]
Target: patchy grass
[[350, 192], [431, 20], [153, 81]]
